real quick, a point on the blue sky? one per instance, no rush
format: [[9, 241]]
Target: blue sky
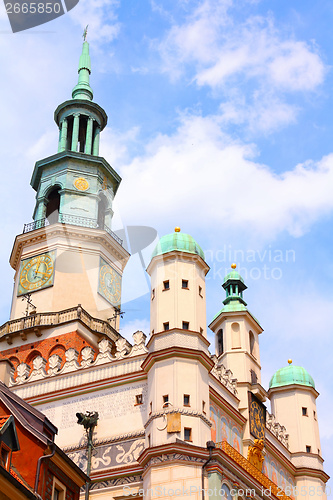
[[220, 122]]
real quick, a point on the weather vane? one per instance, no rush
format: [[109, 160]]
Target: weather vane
[[85, 33]]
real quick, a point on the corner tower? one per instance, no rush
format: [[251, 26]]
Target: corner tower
[[69, 255], [293, 402], [178, 271]]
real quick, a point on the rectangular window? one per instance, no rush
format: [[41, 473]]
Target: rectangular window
[[204, 407], [150, 408], [201, 330], [314, 415], [166, 285], [166, 399], [185, 284], [153, 294], [186, 325], [58, 490], [308, 449], [138, 399], [148, 440], [187, 434], [186, 400], [200, 291], [4, 456], [166, 326], [304, 412]]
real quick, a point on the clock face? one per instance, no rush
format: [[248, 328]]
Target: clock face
[[109, 284], [257, 418], [36, 273]]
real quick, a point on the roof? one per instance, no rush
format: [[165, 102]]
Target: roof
[[290, 375], [178, 241], [29, 417]]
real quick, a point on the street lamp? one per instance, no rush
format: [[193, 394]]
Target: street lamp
[[89, 422]]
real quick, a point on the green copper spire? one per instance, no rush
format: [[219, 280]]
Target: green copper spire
[[83, 90]]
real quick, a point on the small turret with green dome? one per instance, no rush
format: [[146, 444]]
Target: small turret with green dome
[[290, 375], [178, 241]]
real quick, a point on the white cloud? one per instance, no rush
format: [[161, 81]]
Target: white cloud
[[200, 170], [101, 17], [214, 47], [127, 329]]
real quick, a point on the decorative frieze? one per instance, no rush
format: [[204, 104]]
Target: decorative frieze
[[116, 482], [77, 361], [225, 376], [107, 456], [279, 431]]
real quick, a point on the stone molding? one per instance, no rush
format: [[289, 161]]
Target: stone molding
[[172, 457], [114, 439], [116, 482]]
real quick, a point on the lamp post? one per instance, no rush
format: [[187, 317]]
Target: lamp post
[[89, 422]]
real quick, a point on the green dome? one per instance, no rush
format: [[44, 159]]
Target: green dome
[[291, 375], [178, 241]]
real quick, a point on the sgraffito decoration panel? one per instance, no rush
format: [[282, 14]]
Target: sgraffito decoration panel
[[110, 404], [224, 428], [278, 474], [111, 455]]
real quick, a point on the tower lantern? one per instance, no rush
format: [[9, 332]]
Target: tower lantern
[[73, 257]]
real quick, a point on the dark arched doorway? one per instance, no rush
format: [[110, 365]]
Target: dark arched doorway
[[102, 206]]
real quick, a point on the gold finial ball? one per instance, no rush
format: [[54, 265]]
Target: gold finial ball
[[290, 361], [177, 229], [233, 266]]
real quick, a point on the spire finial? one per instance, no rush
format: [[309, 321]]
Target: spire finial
[[85, 33], [290, 361], [83, 90]]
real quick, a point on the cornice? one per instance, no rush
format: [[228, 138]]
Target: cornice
[[67, 231], [173, 452], [177, 352], [292, 387], [164, 333], [234, 314], [178, 255]]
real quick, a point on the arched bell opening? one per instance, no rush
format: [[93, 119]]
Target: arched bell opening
[[53, 206], [102, 206], [82, 133]]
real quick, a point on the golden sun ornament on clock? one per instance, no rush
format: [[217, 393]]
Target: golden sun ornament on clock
[[109, 283], [36, 273]]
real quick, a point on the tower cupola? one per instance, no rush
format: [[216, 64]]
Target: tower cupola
[[234, 286]]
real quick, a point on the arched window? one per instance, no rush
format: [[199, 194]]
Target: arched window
[[252, 343], [220, 342], [225, 490], [102, 206], [53, 205]]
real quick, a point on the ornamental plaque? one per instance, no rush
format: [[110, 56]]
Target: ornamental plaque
[[81, 184]]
